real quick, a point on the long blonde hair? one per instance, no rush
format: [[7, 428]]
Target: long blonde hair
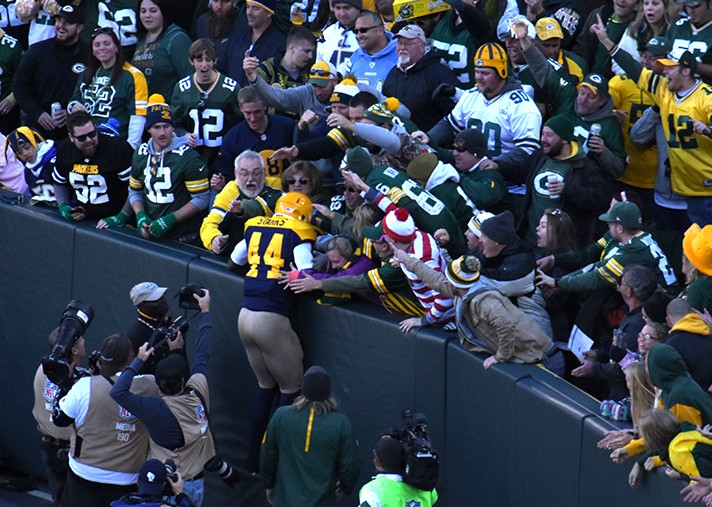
[[642, 391]]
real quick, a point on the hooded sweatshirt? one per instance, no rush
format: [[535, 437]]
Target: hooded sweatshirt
[[374, 67], [690, 336]]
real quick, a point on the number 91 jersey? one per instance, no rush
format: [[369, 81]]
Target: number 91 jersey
[[270, 248], [100, 182]]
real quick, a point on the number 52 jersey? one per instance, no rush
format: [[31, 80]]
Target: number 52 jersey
[[100, 182]]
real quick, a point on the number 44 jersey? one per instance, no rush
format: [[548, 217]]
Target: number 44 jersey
[[100, 181]]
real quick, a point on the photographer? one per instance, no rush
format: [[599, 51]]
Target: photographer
[[178, 420], [152, 307], [55, 440], [387, 488], [109, 444], [152, 480]]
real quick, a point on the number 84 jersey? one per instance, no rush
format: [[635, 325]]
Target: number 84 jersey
[[508, 121], [100, 182]]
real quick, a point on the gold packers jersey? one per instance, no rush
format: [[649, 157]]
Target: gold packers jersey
[[690, 153], [641, 170]]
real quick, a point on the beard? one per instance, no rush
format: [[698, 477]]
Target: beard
[[220, 26]]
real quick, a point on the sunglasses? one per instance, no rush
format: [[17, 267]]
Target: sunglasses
[[320, 72], [365, 30], [84, 137], [462, 150], [350, 190], [101, 29], [302, 181]]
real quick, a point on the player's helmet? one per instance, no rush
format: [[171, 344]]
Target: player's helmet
[[492, 55], [295, 205]]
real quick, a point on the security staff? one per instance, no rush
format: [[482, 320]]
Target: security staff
[[109, 443]]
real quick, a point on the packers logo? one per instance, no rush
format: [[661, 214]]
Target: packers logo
[[406, 12], [596, 78], [78, 68], [479, 63], [550, 26]]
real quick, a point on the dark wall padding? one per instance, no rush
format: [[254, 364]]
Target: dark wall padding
[[509, 436]]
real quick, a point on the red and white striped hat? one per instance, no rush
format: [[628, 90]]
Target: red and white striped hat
[[399, 226]]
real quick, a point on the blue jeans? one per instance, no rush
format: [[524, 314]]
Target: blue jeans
[[195, 490], [699, 210]]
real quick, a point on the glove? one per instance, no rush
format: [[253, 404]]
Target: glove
[[141, 218], [66, 211], [117, 220], [163, 225], [443, 90]]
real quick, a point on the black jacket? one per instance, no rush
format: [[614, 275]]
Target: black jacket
[[48, 73], [586, 191], [414, 88]]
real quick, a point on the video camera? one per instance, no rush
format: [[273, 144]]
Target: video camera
[[422, 464], [73, 324]]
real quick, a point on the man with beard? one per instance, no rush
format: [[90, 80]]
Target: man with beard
[[560, 176], [61, 58], [589, 105], [289, 68], [416, 76], [244, 198], [219, 23], [260, 39], [91, 169], [260, 132]]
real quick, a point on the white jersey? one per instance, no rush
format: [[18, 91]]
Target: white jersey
[[336, 45], [510, 120]]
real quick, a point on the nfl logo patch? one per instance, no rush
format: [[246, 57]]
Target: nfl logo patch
[[200, 414], [125, 414], [50, 391]]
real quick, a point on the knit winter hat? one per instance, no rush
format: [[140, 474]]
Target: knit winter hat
[[158, 111], [399, 225], [23, 135], [383, 111], [655, 307], [475, 223], [344, 92], [316, 385], [359, 161], [463, 271], [354, 3], [697, 245], [422, 166], [500, 228], [267, 5], [562, 126], [471, 140]]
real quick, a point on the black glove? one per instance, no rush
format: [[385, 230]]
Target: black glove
[[443, 90]]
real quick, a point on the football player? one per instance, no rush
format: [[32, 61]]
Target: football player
[[271, 245]]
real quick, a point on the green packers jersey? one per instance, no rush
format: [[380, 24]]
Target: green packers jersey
[[11, 23], [10, 55], [126, 97], [457, 48], [207, 114], [682, 35], [168, 182], [117, 14]]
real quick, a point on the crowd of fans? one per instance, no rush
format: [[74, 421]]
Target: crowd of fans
[[521, 173]]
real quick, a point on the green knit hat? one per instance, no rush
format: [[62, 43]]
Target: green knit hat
[[463, 271], [562, 126], [422, 166], [359, 161], [383, 111]]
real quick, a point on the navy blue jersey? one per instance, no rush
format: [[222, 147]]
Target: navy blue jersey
[[270, 249]]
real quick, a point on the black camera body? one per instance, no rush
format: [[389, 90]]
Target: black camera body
[[422, 463], [75, 320], [162, 335], [185, 296]]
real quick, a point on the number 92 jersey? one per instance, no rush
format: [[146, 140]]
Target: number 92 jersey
[[270, 243], [100, 182]]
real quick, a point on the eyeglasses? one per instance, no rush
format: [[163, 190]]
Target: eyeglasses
[[350, 190], [302, 181], [84, 137], [647, 336], [246, 174], [366, 29], [101, 29]]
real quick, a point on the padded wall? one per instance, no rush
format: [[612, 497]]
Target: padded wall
[[508, 436]]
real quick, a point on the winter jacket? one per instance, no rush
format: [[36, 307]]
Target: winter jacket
[[690, 336]]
